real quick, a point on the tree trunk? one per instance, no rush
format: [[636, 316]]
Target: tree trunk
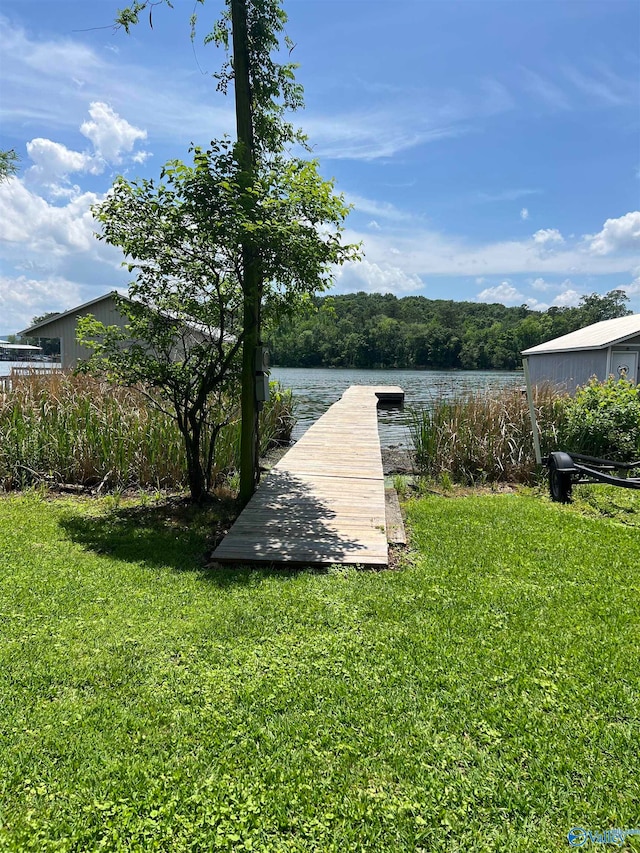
[[251, 279], [195, 471]]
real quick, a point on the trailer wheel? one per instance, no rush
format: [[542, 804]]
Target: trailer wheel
[[559, 484]]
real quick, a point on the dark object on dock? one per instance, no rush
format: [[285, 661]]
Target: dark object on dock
[[390, 398], [571, 469]]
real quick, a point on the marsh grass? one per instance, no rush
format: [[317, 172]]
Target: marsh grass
[[485, 438], [82, 430]]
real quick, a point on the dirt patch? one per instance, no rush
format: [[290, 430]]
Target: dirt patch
[[397, 460], [273, 456]]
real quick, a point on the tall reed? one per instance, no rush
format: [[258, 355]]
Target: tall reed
[[485, 438], [82, 430], [277, 419], [76, 429]]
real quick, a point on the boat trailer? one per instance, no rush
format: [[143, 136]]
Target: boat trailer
[[571, 469], [567, 470]]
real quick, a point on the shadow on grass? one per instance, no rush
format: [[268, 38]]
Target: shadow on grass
[[174, 535]]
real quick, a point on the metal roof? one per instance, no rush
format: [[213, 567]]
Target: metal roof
[[7, 345], [55, 317], [212, 333], [597, 336]]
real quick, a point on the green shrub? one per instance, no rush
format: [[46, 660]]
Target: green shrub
[[603, 419]]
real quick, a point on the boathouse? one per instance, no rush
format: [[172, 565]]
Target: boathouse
[[105, 308], [608, 348], [64, 326]]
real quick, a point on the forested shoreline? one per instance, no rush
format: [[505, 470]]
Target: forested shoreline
[[371, 330]]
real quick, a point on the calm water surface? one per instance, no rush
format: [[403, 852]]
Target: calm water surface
[[315, 389]]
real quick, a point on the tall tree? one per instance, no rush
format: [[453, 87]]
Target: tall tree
[[251, 268], [264, 90], [184, 239], [594, 308]]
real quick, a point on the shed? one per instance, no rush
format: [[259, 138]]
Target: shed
[[611, 347], [105, 309], [63, 326]]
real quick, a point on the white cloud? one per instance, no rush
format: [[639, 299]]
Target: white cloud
[[617, 235], [547, 236], [44, 57], [541, 284], [53, 161], [376, 278], [58, 192], [544, 286], [633, 289], [524, 213], [402, 123], [424, 252], [504, 195], [29, 220], [54, 79], [505, 293], [111, 135], [372, 136], [55, 241], [546, 91], [567, 299], [23, 298], [380, 209], [605, 86], [576, 87]]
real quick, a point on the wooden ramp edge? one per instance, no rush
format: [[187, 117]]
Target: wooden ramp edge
[[324, 502]]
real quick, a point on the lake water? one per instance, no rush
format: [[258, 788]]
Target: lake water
[[315, 389]]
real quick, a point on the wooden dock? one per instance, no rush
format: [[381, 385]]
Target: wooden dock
[[324, 502]]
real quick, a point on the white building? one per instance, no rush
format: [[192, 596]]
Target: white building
[[17, 352], [611, 347]]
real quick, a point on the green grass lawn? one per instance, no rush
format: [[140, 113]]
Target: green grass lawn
[[486, 697]]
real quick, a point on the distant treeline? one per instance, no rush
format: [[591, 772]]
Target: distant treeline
[[373, 330]]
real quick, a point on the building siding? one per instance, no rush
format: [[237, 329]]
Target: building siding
[[70, 350], [567, 370]]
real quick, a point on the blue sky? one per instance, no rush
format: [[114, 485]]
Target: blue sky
[[491, 150]]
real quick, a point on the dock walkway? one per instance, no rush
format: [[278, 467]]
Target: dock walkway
[[324, 502]]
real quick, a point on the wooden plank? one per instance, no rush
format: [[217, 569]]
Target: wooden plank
[[324, 502], [396, 534]]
